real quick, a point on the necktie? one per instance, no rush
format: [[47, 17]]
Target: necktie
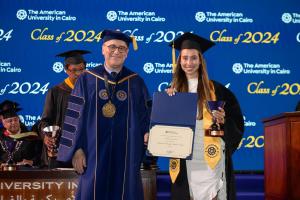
[[114, 74]]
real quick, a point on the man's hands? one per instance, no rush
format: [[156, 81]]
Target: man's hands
[[79, 161], [25, 162], [50, 142]]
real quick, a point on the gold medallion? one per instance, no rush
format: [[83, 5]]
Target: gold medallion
[[109, 110]]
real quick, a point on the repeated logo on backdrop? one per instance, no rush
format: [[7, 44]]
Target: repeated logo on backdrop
[[23, 88], [134, 16], [293, 18], [44, 34], [158, 68], [222, 17], [247, 37], [8, 67], [279, 89], [261, 66], [5, 35], [29, 120], [44, 15]]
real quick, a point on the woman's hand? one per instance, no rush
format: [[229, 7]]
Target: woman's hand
[[219, 115], [170, 91]]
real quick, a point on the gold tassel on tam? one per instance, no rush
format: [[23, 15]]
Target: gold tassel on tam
[[173, 58], [134, 43], [174, 168]]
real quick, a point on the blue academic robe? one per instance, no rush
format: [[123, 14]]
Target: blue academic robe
[[113, 146]]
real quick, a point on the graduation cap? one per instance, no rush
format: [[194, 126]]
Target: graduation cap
[[190, 41], [9, 109], [107, 35], [73, 57]]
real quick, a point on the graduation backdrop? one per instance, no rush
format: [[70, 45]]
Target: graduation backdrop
[[256, 56]]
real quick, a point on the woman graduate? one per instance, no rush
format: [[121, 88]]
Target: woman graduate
[[209, 174]]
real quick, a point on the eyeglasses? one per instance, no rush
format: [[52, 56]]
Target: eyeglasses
[[76, 70], [113, 48]]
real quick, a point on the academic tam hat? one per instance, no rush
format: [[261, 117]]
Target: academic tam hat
[[73, 57], [107, 35], [190, 41], [9, 109]]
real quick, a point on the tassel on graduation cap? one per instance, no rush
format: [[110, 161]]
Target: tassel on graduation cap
[[173, 58], [134, 43]]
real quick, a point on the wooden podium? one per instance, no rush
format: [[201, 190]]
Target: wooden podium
[[282, 156], [54, 184]]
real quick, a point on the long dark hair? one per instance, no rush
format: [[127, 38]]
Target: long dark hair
[[180, 83]]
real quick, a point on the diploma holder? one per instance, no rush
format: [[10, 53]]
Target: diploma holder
[[172, 125]]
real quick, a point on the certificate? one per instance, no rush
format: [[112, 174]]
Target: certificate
[[170, 141], [172, 125]]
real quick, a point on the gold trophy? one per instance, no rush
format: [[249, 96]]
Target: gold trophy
[[216, 129], [53, 132]]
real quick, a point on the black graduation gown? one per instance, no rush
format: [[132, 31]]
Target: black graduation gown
[[22, 149], [54, 112], [55, 105], [233, 131]]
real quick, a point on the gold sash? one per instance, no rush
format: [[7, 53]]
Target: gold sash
[[212, 145], [23, 135], [69, 83]]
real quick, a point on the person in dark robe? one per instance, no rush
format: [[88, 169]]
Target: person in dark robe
[[17, 145], [56, 104], [6, 105], [209, 174], [105, 126]]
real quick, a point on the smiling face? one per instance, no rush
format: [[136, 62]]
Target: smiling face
[[12, 124], [115, 52], [190, 62]]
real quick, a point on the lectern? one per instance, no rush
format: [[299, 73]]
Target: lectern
[[282, 156]]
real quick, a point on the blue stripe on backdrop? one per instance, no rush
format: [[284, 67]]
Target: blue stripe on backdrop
[[257, 51]]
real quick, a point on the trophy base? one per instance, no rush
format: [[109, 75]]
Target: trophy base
[[212, 133], [9, 168]]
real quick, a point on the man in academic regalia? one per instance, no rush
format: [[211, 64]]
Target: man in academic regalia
[[105, 124], [15, 146], [57, 100]]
